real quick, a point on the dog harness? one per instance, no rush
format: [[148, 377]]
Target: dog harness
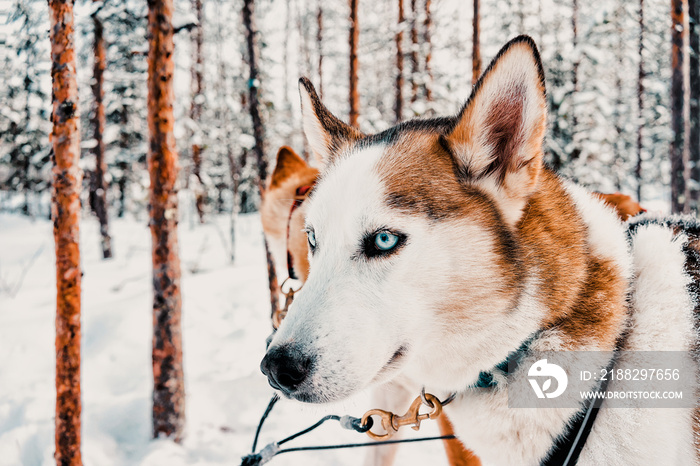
[[567, 447]]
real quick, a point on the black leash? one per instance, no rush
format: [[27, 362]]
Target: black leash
[[347, 422]]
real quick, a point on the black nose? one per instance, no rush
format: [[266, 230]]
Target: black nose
[[285, 367]]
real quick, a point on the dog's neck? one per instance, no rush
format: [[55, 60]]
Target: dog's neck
[[574, 251]]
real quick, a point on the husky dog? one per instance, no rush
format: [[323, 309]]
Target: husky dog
[[282, 212], [439, 247]]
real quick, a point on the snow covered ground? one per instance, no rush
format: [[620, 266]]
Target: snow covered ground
[[225, 323]]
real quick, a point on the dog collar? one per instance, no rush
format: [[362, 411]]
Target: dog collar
[[487, 379]]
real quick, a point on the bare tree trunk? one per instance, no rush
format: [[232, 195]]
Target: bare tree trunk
[[619, 149], [694, 137], [258, 132], [521, 17], [196, 105], [253, 83], [640, 102], [413, 78], [319, 46], [398, 105], [427, 26], [354, 39], [168, 377], [98, 187], [304, 48], [679, 109], [575, 65], [235, 177], [476, 53], [285, 59], [65, 210]]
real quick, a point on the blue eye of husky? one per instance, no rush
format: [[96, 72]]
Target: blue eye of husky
[[311, 236], [385, 241], [382, 243]]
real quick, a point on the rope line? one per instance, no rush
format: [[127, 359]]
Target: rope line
[[366, 444]]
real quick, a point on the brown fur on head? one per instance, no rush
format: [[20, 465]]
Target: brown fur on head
[[626, 206], [291, 172]]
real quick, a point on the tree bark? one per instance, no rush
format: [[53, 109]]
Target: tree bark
[[168, 377], [98, 187], [414, 52], [640, 102], [354, 39], [258, 133], [196, 105], [694, 137], [253, 83], [427, 26], [319, 46], [476, 53], [398, 105], [679, 109], [575, 65], [65, 210]]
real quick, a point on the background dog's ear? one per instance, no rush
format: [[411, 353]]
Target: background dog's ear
[[498, 137], [327, 135], [288, 163]]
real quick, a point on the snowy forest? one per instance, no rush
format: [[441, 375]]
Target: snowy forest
[[623, 89]]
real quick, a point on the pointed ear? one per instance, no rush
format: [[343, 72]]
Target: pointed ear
[[288, 163], [497, 139], [327, 135]]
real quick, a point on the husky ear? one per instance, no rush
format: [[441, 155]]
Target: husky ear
[[327, 135], [288, 163], [497, 140]]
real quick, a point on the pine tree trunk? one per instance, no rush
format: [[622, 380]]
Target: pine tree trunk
[[258, 132], [414, 52], [168, 378], [476, 53], [427, 26], [253, 83], [640, 102], [304, 49], [398, 105], [694, 137], [65, 209], [319, 46], [521, 17], [575, 65], [196, 106], [98, 187], [354, 39], [679, 115], [619, 149], [235, 177]]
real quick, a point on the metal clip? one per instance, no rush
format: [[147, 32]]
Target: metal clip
[[391, 423]]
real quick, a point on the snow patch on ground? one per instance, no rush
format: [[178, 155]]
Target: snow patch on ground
[[225, 323]]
